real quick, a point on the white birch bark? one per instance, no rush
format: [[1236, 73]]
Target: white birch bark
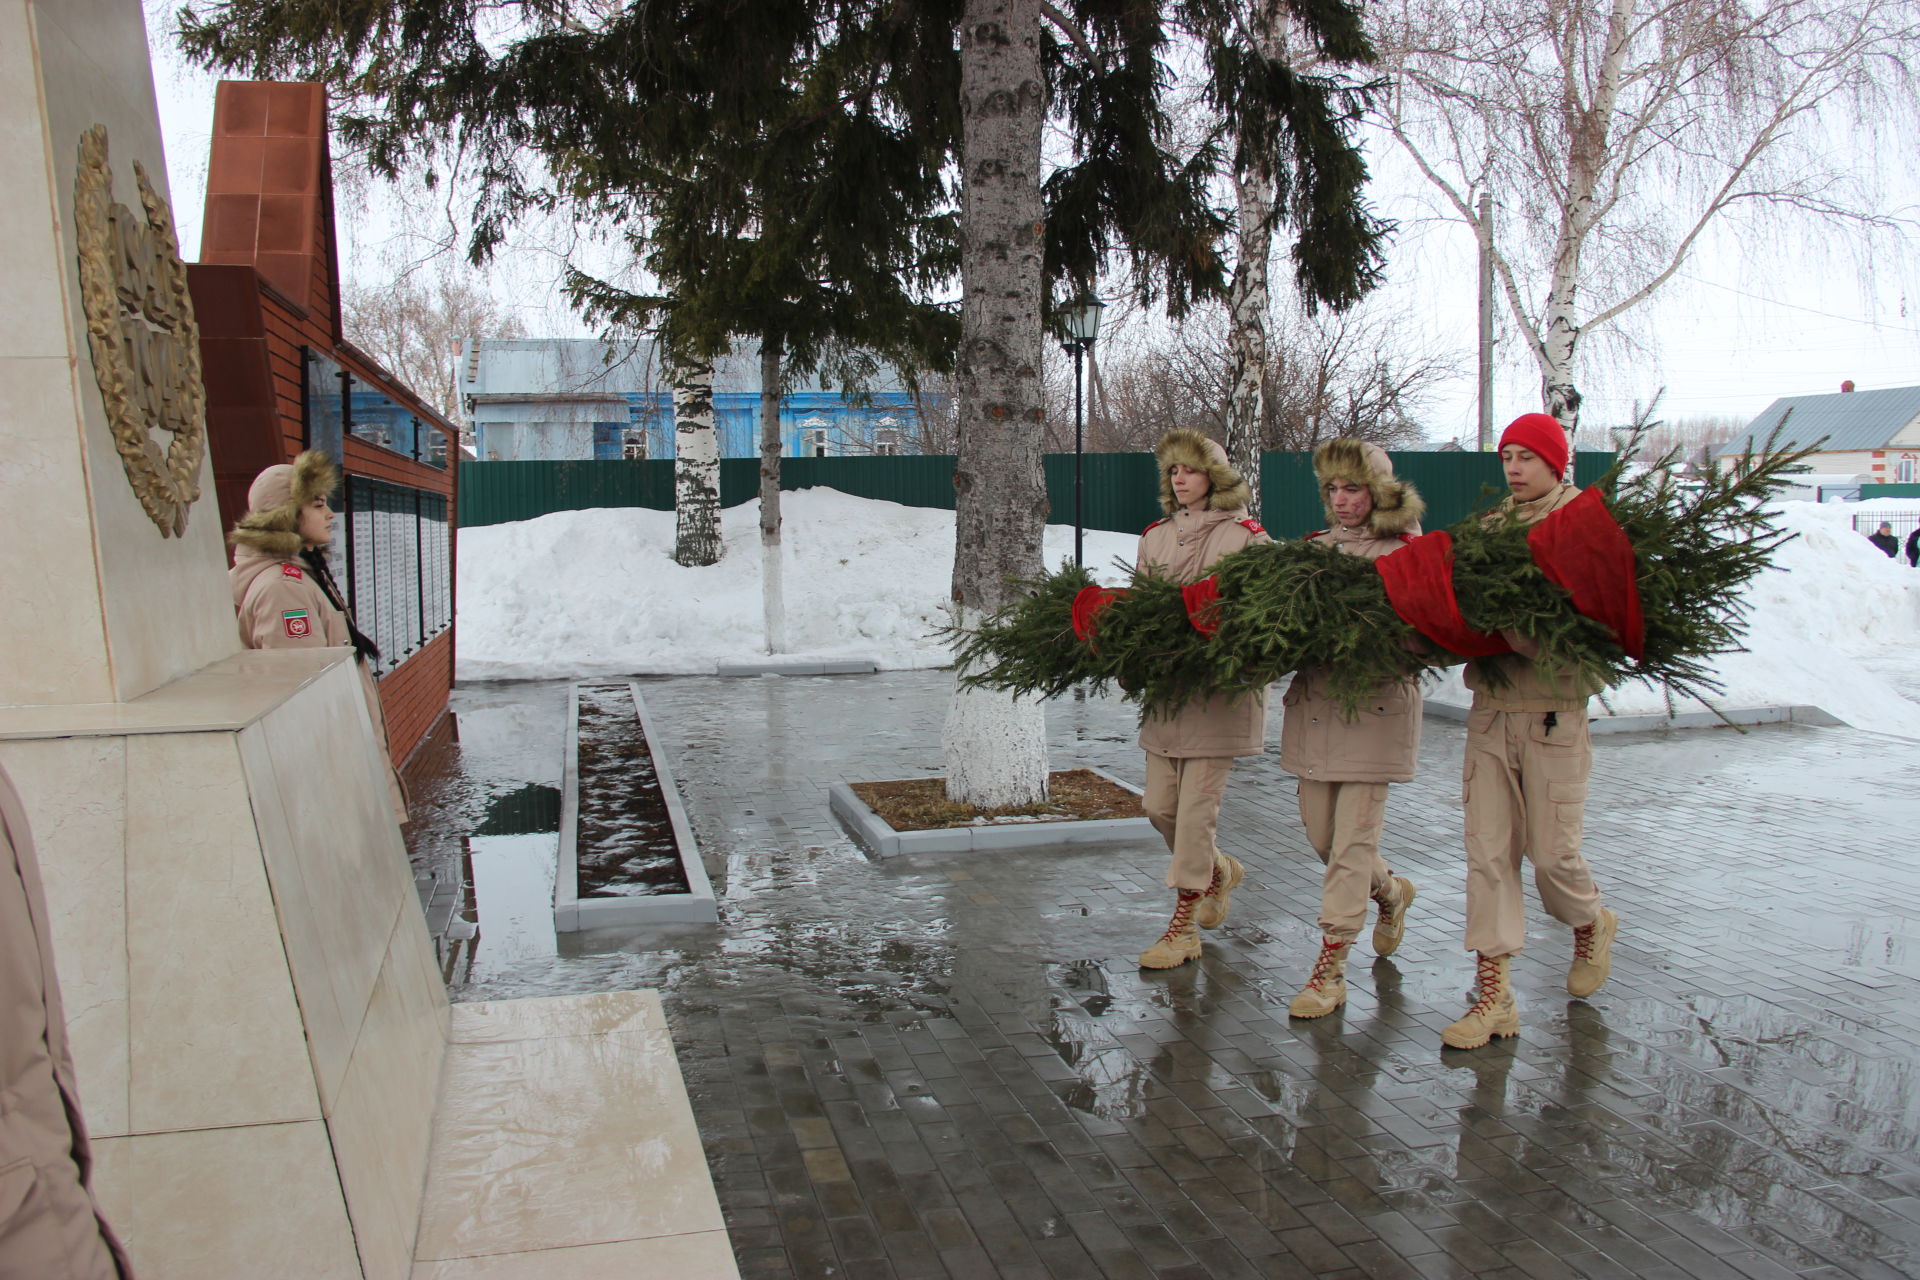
[[1247, 299], [696, 467], [995, 745], [773, 605]]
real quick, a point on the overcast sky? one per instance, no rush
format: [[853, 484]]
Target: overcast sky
[[1742, 325]]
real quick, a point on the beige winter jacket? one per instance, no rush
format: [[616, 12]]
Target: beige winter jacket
[[1509, 682], [278, 602], [1380, 740], [1183, 547], [49, 1223]]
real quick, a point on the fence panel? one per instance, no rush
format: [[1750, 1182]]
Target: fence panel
[[1120, 491]]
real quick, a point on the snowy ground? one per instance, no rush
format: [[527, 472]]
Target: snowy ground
[[1834, 624]]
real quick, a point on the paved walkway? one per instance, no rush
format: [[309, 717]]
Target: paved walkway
[[951, 1066]]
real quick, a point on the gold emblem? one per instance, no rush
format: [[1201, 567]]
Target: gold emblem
[[140, 326]]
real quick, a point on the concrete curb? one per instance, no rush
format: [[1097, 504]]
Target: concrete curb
[[1655, 723], [571, 912], [799, 667], [884, 842]]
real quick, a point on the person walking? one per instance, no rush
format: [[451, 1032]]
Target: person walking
[[1345, 757], [284, 593], [1913, 548], [1524, 779], [1190, 752], [1883, 538]]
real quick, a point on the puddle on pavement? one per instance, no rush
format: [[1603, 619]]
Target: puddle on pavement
[[512, 886]]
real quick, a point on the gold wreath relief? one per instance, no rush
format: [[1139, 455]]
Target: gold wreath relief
[[145, 343]]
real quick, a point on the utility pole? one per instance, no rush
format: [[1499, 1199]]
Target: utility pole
[[1486, 320]]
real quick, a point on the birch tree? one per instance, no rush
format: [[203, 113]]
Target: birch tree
[[995, 744], [696, 470], [1613, 134]]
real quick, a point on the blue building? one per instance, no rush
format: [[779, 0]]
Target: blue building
[[570, 399]]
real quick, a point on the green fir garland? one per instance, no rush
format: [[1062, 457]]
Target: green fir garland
[[1285, 606]]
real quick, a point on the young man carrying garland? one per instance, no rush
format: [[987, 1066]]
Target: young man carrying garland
[[1343, 758], [1525, 779], [1190, 752]]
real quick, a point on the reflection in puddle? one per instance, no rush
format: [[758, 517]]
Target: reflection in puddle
[[512, 879]]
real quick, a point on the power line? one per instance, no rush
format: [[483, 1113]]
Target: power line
[[1794, 306]]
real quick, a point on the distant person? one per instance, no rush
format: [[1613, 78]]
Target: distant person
[[282, 589], [1913, 547], [1344, 758], [1191, 751], [1883, 538]]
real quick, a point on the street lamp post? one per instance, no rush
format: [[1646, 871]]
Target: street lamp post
[[1083, 326]]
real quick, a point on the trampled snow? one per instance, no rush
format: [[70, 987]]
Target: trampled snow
[[1832, 624]]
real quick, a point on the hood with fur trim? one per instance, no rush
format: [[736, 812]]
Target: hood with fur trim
[[272, 522], [1191, 449], [1397, 505]]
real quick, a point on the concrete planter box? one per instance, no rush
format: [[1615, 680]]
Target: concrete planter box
[[884, 842], [1656, 722], [571, 912], [775, 666]]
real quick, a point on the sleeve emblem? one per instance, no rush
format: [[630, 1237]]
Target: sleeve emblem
[[297, 622]]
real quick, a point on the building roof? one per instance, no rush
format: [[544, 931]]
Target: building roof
[[588, 368], [1849, 420]]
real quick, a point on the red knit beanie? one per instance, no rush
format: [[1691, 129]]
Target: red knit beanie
[[1544, 435]]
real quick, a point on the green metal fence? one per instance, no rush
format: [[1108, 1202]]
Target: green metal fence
[[1120, 491]]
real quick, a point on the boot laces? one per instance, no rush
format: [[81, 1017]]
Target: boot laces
[[1184, 903], [1487, 975], [1583, 940], [1329, 953]]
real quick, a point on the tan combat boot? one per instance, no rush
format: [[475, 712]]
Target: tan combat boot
[[1492, 1014], [1326, 989], [1181, 942], [1392, 924], [1227, 875], [1592, 954]]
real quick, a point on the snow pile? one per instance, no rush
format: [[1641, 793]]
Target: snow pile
[[597, 592], [1830, 601]]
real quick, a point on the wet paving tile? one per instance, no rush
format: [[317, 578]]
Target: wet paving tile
[[950, 1066]]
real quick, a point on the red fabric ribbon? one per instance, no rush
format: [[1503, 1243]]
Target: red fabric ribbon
[[1582, 547], [1203, 600], [1087, 604], [1419, 581]]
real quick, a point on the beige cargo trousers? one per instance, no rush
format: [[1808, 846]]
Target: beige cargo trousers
[[1524, 782]]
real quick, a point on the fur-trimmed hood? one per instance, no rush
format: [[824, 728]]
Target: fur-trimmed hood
[[1191, 449], [272, 522], [1397, 505]]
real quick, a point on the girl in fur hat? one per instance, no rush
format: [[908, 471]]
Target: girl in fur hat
[[282, 589], [1190, 753], [1344, 760]]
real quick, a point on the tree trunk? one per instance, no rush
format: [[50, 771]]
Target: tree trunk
[[1247, 300], [995, 744], [696, 466], [772, 590]]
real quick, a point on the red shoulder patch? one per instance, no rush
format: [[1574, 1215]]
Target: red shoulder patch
[[292, 571], [1316, 533], [1156, 524], [1252, 526], [1406, 537]]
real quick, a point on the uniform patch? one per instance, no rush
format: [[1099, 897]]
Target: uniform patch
[[1156, 524], [1252, 526], [1316, 533], [297, 622], [292, 571]]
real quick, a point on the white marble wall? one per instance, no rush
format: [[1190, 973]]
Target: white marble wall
[[258, 1026], [115, 609]]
